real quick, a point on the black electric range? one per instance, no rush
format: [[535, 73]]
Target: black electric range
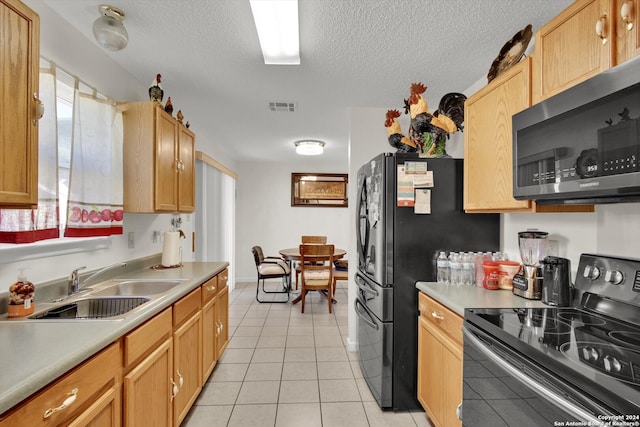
[[556, 365]]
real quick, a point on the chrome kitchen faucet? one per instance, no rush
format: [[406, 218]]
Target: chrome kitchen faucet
[[74, 280]]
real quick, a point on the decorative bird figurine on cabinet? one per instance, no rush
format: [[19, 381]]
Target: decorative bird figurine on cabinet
[[396, 138], [155, 91], [179, 116], [429, 132], [168, 107]]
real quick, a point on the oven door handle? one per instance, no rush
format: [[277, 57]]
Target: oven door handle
[[553, 397], [361, 311]]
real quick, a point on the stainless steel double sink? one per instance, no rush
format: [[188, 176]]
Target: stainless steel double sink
[[110, 300]]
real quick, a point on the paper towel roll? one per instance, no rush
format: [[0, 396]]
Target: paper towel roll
[[171, 249]]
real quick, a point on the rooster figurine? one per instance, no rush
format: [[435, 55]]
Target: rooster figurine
[[396, 138], [429, 132], [155, 91], [168, 107]]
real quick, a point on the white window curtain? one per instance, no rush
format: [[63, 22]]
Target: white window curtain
[[95, 204], [30, 225]]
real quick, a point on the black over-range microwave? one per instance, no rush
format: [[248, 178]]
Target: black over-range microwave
[[582, 145]]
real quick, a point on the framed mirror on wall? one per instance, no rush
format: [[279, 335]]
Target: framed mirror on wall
[[319, 189]]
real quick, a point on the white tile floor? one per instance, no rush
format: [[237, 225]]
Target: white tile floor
[[284, 368]]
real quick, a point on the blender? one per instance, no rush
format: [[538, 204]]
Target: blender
[[533, 249]]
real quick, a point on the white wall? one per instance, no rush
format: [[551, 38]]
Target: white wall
[[265, 217]]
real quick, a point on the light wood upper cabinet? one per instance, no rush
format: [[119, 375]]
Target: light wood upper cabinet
[[159, 173], [626, 27], [568, 50], [19, 69], [439, 362], [488, 165]]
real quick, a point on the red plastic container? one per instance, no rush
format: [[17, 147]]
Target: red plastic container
[[491, 275]]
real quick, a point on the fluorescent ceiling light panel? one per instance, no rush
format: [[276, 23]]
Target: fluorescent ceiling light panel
[[277, 26]]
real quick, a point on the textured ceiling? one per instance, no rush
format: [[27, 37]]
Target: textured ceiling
[[358, 53]]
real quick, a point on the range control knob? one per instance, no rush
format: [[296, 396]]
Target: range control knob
[[611, 364], [591, 272], [614, 277], [590, 354]]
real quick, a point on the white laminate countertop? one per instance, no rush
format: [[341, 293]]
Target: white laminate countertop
[[35, 352], [457, 298]]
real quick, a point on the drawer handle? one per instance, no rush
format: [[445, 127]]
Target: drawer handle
[[73, 394], [436, 316], [211, 288], [174, 390], [626, 13], [601, 28]]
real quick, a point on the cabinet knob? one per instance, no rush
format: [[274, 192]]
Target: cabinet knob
[[626, 13], [73, 394], [601, 28]]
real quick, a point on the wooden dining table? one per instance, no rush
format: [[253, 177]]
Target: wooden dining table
[[293, 254]]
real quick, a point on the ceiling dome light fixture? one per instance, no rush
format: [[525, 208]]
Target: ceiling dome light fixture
[[309, 147], [109, 30]]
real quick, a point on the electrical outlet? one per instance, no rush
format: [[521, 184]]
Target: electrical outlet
[[553, 248], [131, 240], [154, 236]]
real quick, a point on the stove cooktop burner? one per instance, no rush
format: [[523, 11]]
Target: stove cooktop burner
[[582, 317], [626, 337]]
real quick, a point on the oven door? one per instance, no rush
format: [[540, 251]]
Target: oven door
[[503, 388], [375, 352]]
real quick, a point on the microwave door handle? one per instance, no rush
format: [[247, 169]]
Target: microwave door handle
[[553, 397], [361, 314]]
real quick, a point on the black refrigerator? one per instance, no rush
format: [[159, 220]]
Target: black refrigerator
[[408, 209]]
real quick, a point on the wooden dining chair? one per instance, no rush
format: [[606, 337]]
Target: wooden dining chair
[[316, 271], [310, 239]]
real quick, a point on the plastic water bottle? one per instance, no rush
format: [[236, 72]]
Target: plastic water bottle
[[442, 264], [468, 271], [454, 266]]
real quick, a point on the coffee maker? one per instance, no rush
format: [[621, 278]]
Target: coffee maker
[[533, 248]]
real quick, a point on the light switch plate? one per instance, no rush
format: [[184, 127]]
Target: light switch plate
[[131, 240]]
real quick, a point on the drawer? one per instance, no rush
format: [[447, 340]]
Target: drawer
[[440, 316], [223, 277], [186, 307], [87, 382], [142, 340], [209, 289]]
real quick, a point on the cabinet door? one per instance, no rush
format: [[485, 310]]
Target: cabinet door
[[568, 50], [488, 166], [104, 412], [148, 388], [627, 33], [439, 375], [19, 68], [187, 360], [186, 182], [222, 320], [209, 332], [166, 190]]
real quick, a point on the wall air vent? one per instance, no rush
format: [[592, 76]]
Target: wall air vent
[[285, 107]]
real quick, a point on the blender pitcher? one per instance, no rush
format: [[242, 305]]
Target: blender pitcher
[[533, 248]]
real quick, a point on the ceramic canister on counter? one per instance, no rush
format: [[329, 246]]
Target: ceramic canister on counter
[[21, 295]]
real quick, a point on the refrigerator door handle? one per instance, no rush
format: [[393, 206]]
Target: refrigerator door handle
[[362, 285], [361, 311]]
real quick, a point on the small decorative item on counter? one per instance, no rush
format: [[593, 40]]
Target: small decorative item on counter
[[507, 269], [21, 295], [491, 275], [155, 90], [187, 125]]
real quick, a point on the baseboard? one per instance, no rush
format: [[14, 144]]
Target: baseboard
[[352, 346]]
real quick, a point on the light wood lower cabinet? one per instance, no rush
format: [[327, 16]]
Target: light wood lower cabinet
[[149, 377], [87, 395], [439, 362], [187, 361]]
